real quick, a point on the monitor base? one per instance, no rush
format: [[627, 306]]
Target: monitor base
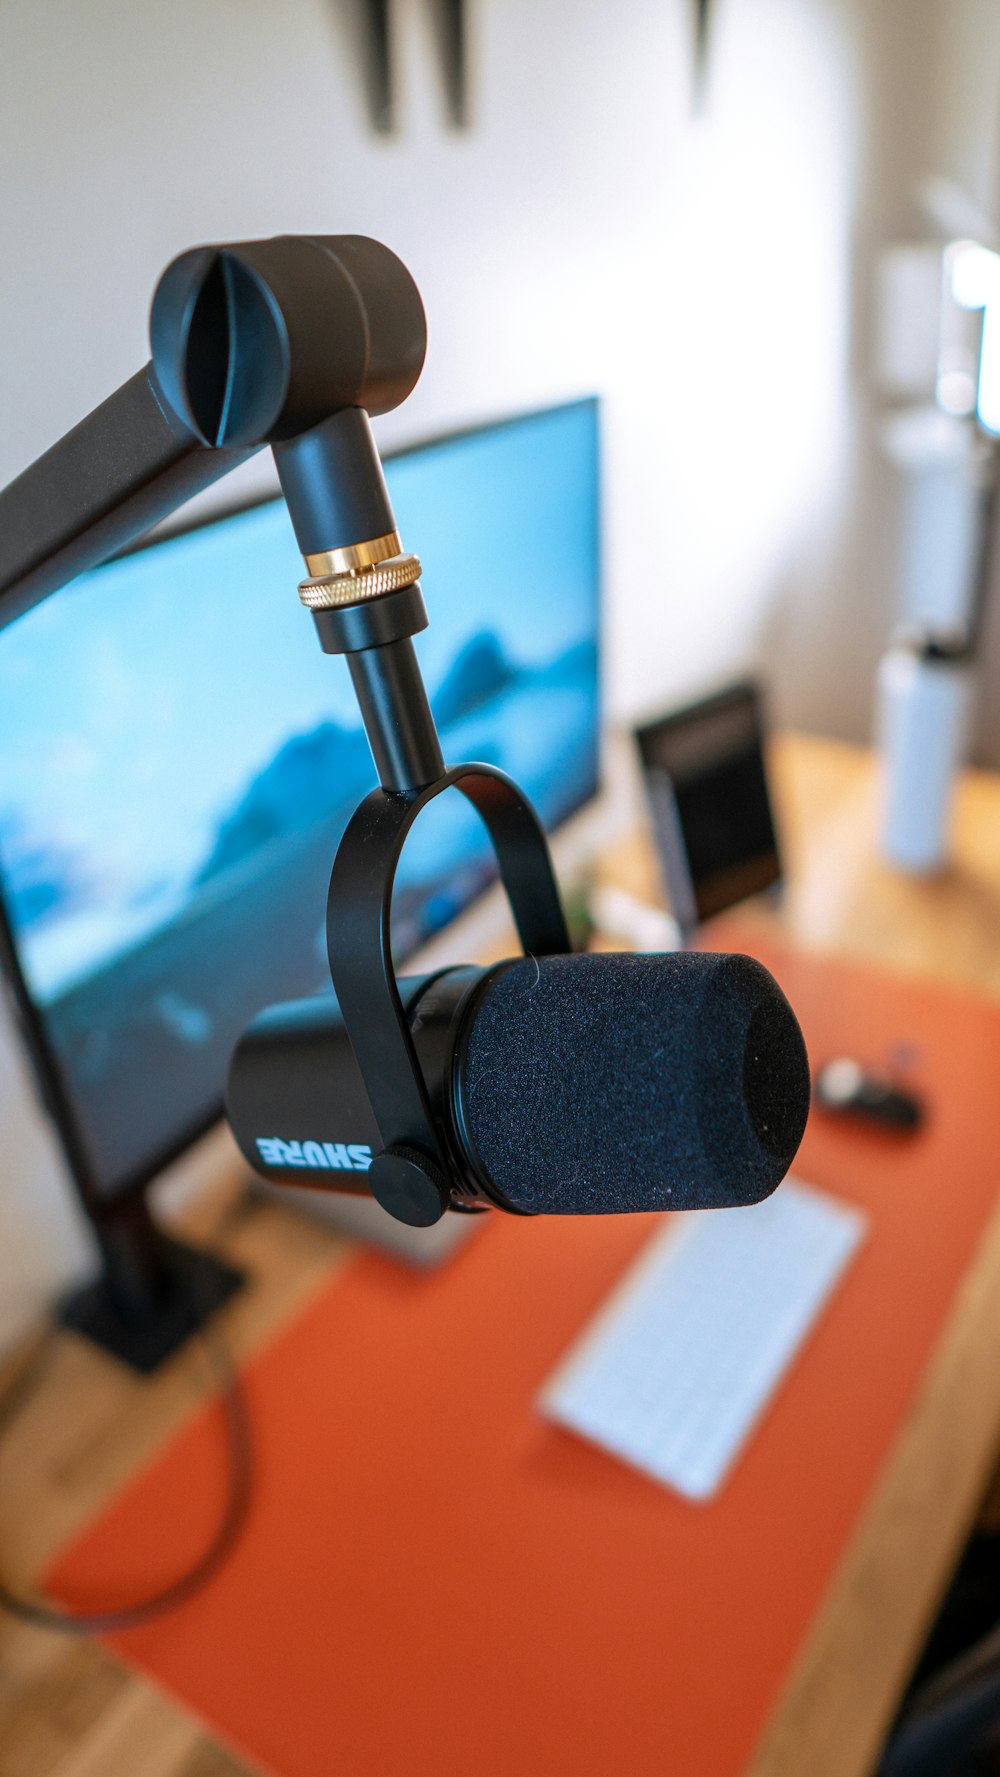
[[190, 1286]]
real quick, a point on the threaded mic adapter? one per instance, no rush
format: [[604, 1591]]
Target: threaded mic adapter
[[367, 580]]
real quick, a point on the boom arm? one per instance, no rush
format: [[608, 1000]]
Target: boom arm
[[256, 343]]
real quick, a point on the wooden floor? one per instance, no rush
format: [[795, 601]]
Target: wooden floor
[[68, 1708]]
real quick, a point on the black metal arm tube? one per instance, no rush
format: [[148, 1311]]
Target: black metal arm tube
[[127, 465], [397, 716], [333, 484], [254, 342]]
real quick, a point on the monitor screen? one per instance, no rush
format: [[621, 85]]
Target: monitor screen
[[178, 759]]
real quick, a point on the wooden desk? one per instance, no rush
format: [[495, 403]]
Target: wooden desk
[[69, 1710], [839, 895], [841, 1696]]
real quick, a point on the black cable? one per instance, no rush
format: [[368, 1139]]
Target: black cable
[[232, 1398]]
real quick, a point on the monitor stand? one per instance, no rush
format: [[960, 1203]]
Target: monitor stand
[[152, 1292]]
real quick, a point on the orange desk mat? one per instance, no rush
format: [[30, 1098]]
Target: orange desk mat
[[435, 1581]]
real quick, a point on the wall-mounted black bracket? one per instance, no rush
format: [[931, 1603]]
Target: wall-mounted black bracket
[[448, 24], [414, 1177], [702, 9], [377, 65]]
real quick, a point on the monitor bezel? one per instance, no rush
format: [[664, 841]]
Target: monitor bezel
[[100, 1199]]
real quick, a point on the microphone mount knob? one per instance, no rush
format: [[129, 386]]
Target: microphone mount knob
[[409, 1186]]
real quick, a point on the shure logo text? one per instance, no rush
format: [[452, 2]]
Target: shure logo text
[[335, 1156]]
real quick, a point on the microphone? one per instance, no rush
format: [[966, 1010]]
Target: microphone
[[559, 1085]]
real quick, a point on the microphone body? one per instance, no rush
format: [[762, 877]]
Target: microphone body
[[559, 1085]]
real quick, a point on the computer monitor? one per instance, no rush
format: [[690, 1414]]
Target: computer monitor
[[178, 759]]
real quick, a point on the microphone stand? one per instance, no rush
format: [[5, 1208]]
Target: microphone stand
[[293, 343]]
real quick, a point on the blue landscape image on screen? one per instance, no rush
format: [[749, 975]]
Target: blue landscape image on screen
[[179, 758]]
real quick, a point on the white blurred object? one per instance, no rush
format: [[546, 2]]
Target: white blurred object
[[943, 536], [621, 915], [925, 437], [949, 466], [961, 334], [908, 320], [953, 212], [924, 695], [974, 276], [937, 326], [947, 470]]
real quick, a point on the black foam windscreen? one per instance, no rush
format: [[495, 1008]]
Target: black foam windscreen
[[610, 1083]]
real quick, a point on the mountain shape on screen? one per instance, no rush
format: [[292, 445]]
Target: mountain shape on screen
[[314, 774], [310, 776], [479, 671], [45, 879]]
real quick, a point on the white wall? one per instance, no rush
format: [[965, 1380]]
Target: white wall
[[587, 233], [925, 104]]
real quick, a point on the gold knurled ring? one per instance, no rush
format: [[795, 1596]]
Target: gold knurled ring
[[330, 590]]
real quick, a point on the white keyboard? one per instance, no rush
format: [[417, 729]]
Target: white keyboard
[[683, 1359]]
